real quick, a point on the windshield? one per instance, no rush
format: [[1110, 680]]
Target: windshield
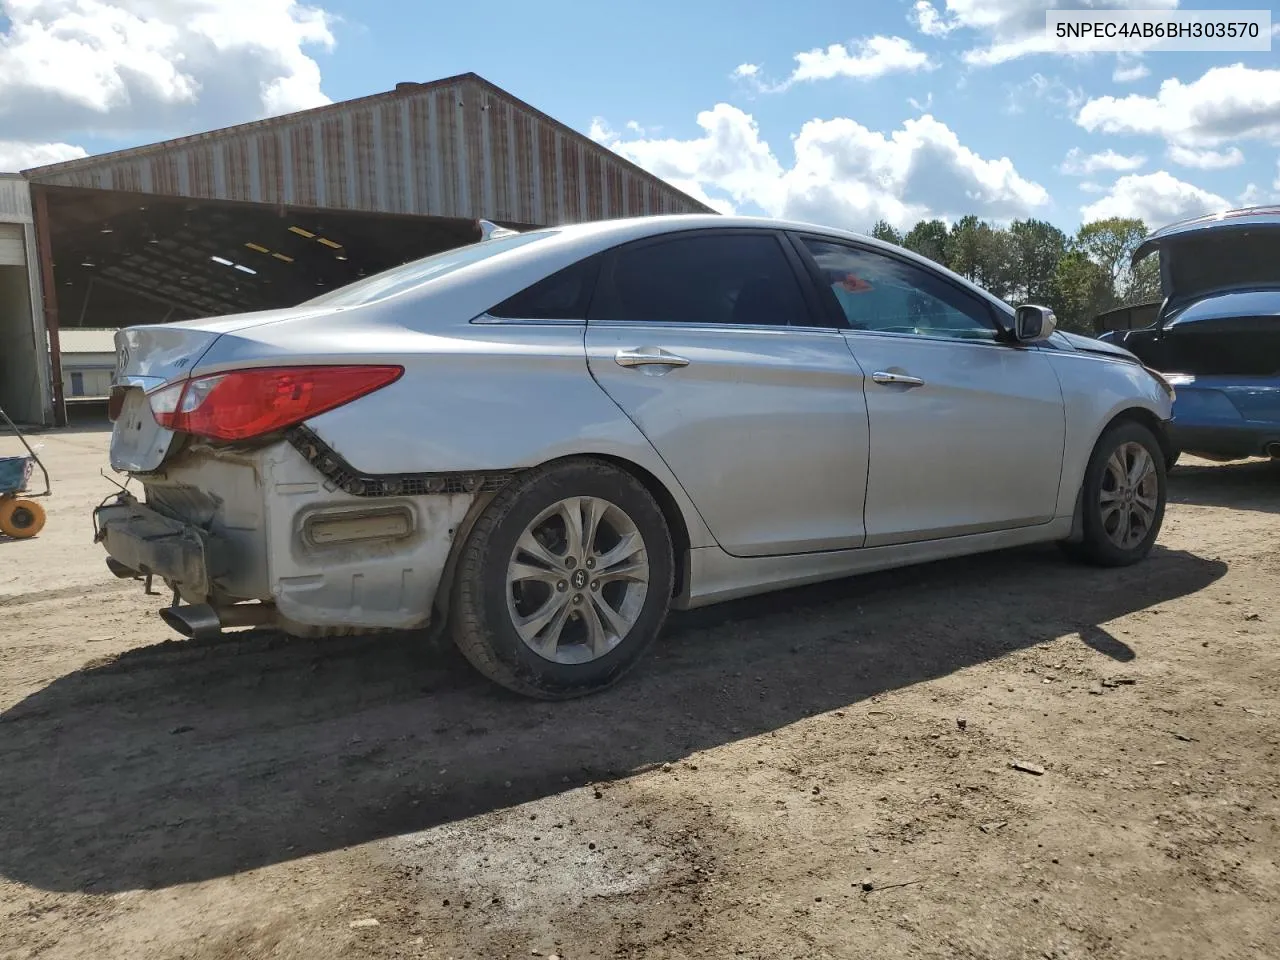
[[397, 280]]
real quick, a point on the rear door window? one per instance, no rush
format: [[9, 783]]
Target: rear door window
[[743, 279]]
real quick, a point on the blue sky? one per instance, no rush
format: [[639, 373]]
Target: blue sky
[[923, 109]]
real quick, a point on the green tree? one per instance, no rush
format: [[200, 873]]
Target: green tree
[[883, 230], [1144, 281], [1109, 243], [1036, 247], [929, 239], [1081, 289], [965, 247]]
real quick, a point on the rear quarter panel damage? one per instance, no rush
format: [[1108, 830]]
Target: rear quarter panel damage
[[484, 397]]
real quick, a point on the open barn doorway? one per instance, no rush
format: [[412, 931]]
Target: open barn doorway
[[125, 258]]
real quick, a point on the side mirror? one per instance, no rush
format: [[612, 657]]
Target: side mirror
[[1032, 324]]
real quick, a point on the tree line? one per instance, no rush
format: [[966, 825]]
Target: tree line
[[1031, 261]]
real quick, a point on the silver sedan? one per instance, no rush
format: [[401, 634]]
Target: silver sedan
[[545, 441]]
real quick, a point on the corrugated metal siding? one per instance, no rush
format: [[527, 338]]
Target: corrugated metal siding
[[13, 251], [15, 200], [462, 149]]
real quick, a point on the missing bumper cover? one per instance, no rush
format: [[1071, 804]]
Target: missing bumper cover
[[335, 469]]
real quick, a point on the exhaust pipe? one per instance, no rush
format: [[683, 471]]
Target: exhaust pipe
[[1272, 449], [120, 570], [202, 622]]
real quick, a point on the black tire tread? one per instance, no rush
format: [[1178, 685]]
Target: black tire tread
[[1095, 548], [467, 625]]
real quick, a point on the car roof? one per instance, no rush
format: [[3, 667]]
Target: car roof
[[1238, 219]]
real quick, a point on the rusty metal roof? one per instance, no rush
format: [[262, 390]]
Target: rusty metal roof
[[457, 147]]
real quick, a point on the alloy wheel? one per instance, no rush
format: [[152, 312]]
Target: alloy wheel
[[1129, 495], [577, 580]]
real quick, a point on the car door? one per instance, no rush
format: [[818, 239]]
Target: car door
[[711, 342], [966, 430]]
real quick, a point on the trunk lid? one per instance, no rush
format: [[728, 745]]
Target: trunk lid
[[149, 356], [1233, 253]]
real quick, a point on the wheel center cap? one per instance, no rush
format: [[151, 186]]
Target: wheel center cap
[[579, 578]]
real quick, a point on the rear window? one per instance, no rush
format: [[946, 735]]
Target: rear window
[[396, 280]]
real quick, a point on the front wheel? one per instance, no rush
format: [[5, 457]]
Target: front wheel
[[1125, 488], [565, 580]]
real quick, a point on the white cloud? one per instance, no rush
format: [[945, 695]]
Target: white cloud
[[600, 131], [116, 68], [1051, 90], [929, 22], [1155, 198], [1009, 29], [1088, 186], [17, 155], [921, 106], [1226, 103], [1077, 164], [842, 173], [1251, 196], [865, 59], [1128, 73], [870, 58], [1206, 159]]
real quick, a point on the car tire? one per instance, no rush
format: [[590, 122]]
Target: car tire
[[1122, 519], [1171, 460], [604, 598]]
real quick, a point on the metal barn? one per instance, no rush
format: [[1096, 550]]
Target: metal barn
[[271, 213]]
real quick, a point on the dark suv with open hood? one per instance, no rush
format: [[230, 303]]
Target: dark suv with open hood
[[1216, 336]]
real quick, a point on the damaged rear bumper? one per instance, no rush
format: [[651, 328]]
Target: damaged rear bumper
[[225, 528], [143, 542]]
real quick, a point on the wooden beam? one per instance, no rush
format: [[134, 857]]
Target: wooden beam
[[45, 249]]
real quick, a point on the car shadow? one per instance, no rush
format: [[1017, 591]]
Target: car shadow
[[184, 761], [1246, 485]]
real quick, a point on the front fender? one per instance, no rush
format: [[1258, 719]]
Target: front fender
[[1096, 391]]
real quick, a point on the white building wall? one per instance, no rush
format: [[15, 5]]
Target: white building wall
[[25, 373]]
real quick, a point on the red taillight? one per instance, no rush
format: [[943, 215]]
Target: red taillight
[[242, 404]]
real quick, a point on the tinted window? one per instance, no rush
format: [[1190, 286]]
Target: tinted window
[[561, 296], [726, 278], [882, 293]]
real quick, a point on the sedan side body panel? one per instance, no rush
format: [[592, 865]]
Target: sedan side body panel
[[766, 429], [476, 397]]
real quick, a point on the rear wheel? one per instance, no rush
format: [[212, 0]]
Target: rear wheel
[[565, 580], [1124, 497], [21, 518]]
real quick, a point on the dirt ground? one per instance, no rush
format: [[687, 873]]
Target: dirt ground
[[821, 773]]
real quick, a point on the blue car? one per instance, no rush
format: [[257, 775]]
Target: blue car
[[1216, 336]]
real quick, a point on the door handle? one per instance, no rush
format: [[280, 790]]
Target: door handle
[[645, 357], [900, 378]]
